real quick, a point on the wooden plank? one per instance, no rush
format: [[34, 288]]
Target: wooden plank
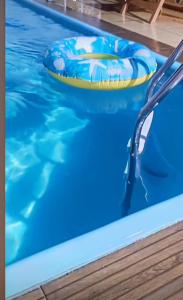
[[167, 290], [155, 8], [114, 274], [124, 8], [110, 259], [154, 284], [36, 294], [177, 296], [156, 11], [135, 287]]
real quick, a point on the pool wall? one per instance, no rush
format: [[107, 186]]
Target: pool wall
[[56, 261]]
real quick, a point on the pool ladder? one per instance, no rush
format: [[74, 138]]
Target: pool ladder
[[153, 97]]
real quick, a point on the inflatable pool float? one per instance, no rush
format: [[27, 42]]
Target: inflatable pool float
[[100, 63]]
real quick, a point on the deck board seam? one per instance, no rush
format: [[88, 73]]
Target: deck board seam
[[42, 290], [164, 285], [99, 281], [133, 288], [118, 260], [169, 297]]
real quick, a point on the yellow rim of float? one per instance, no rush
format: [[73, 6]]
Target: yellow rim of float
[[99, 56], [101, 85]]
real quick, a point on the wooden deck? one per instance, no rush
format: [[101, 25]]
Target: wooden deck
[[153, 44], [150, 269]]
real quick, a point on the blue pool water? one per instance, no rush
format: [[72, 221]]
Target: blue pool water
[[66, 148]]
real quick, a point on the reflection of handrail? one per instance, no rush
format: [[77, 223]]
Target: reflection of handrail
[[153, 99]]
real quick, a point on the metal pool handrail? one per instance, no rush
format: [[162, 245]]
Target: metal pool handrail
[[161, 72], [153, 99]]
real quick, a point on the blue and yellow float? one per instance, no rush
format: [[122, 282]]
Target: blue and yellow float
[[100, 63]]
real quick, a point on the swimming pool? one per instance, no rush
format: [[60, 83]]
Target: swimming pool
[[66, 152]]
